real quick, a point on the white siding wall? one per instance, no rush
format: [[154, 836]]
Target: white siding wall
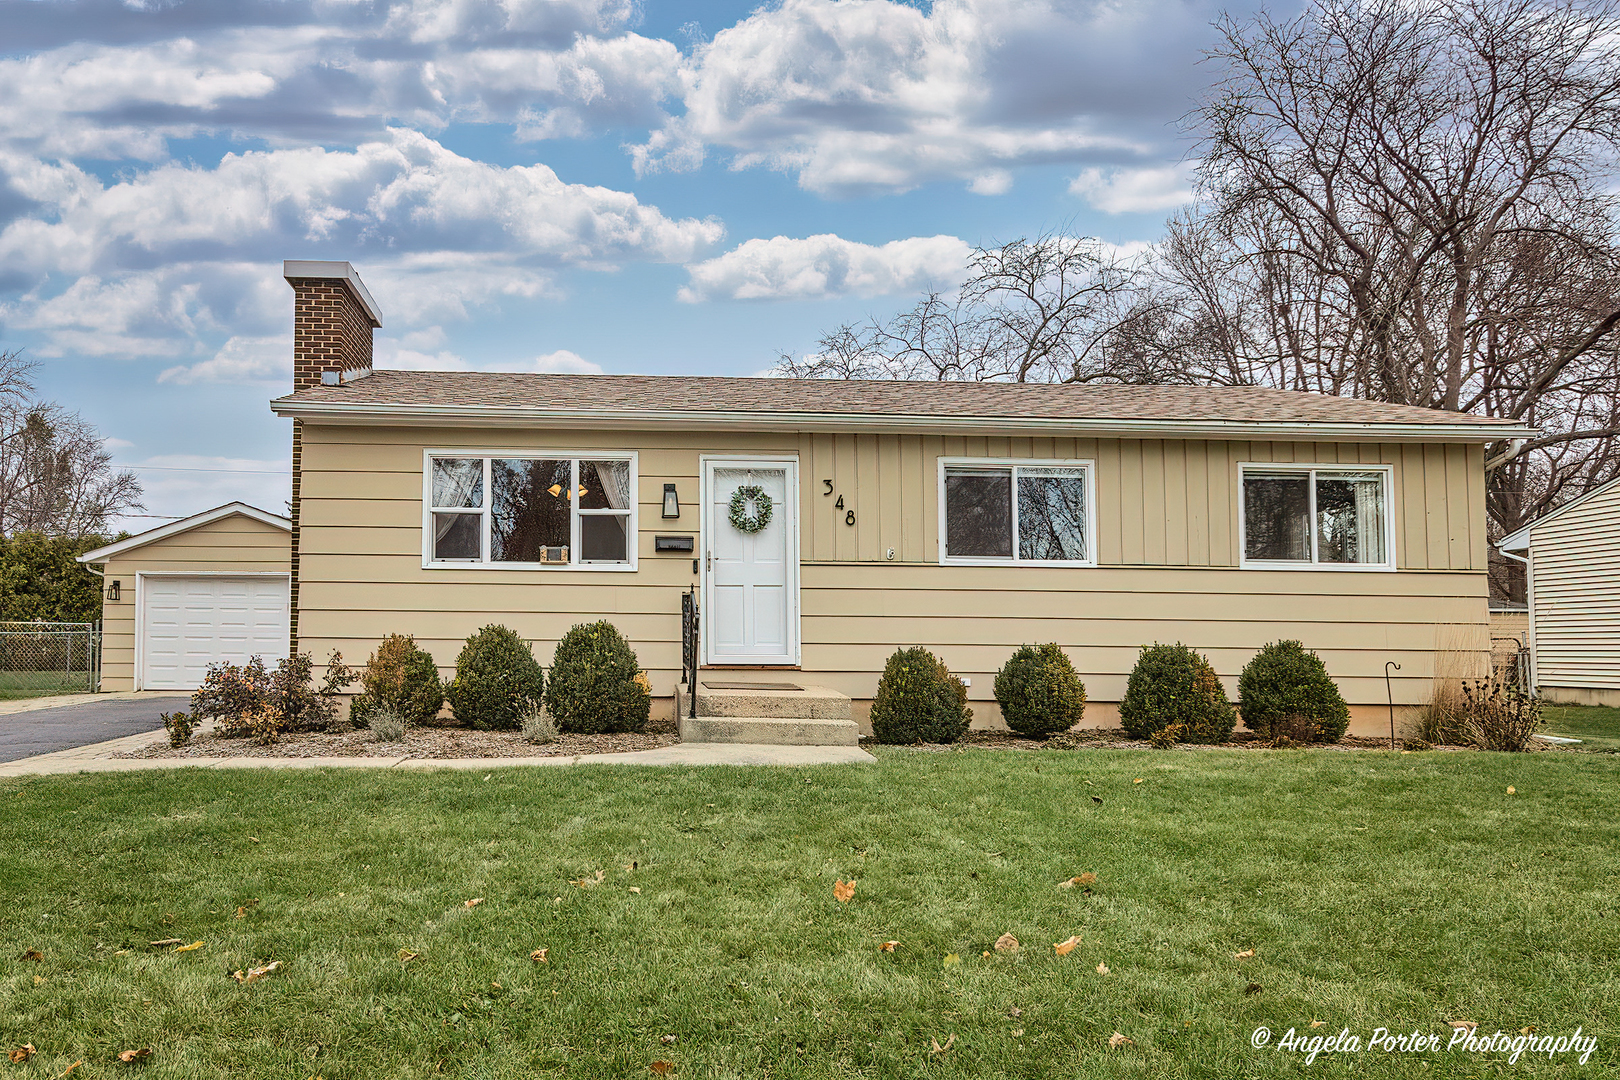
[[1576, 605]]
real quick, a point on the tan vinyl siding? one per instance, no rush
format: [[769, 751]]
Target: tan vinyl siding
[[1167, 538], [1576, 603], [234, 544]]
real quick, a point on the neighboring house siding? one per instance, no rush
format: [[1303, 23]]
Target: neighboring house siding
[[1167, 537], [235, 544], [1576, 583]]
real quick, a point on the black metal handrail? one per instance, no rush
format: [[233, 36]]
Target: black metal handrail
[[689, 645]]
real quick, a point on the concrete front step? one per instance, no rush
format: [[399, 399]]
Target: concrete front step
[[770, 730], [772, 699]]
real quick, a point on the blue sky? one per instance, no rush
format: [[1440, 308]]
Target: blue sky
[[597, 185]]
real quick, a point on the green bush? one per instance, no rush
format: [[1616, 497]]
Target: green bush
[[179, 725], [1039, 691], [1286, 690], [596, 684], [919, 700], [497, 681], [400, 678], [1172, 684]]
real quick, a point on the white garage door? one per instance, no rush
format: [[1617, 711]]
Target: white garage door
[[188, 623]]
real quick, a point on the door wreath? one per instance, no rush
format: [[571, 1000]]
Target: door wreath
[[750, 508]]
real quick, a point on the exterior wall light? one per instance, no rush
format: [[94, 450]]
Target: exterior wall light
[[113, 590], [672, 504]]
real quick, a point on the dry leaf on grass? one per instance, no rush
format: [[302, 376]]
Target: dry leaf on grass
[[589, 881], [935, 1048], [406, 956], [1064, 948], [128, 1056], [474, 902], [635, 889], [241, 912], [1015, 1012], [1006, 943], [1086, 879], [1253, 988], [1511, 791], [69, 1069], [1102, 968], [1459, 1025], [165, 942], [952, 960], [844, 891], [189, 948], [1244, 955], [32, 954], [1116, 1040], [22, 1054], [255, 974], [539, 956], [1138, 780], [666, 1039], [888, 946], [1097, 799], [662, 1068]]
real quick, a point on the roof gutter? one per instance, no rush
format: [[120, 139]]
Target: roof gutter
[[688, 419]]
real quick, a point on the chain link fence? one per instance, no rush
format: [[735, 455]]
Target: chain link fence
[[39, 658]]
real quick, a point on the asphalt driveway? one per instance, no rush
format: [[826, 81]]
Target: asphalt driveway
[[44, 731]]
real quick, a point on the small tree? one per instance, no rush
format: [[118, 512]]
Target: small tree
[[596, 682], [1174, 685], [401, 678], [1039, 691], [1286, 690], [497, 681], [919, 700]]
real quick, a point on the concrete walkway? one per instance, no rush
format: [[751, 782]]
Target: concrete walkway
[[99, 758]]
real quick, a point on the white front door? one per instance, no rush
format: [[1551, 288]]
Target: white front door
[[751, 580]]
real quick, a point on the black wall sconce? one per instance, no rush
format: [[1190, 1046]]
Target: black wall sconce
[[113, 590], [672, 504]]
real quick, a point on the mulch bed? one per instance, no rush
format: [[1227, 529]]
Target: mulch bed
[[436, 741], [1116, 739]]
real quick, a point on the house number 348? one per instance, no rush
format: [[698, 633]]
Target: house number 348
[[849, 515]]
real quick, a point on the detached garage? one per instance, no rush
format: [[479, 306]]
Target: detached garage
[[211, 587]]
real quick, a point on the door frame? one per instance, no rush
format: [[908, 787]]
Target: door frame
[[707, 463], [139, 681]]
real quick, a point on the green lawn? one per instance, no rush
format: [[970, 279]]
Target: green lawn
[[1597, 726], [32, 684], [1393, 890]]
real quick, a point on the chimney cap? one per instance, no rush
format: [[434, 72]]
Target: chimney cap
[[315, 269]]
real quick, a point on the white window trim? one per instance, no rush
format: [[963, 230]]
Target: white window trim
[[529, 453], [1087, 465], [1311, 469]]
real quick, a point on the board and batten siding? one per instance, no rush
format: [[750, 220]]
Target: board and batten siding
[[1167, 536], [1575, 601], [236, 544]]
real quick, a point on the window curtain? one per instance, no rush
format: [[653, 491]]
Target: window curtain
[[456, 482], [615, 479], [1370, 519]]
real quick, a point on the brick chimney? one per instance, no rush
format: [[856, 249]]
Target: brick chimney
[[333, 317]]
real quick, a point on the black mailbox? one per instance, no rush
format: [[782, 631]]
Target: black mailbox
[[674, 543]]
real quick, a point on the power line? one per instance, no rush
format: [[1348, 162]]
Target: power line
[[177, 468]]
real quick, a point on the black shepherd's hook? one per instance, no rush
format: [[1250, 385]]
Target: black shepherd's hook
[[1391, 693]]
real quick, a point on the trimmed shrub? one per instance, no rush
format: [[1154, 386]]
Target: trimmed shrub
[[497, 681], [919, 700], [1174, 685], [229, 692], [1286, 690], [401, 678], [539, 728], [596, 683], [1039, 691], [248, 700]]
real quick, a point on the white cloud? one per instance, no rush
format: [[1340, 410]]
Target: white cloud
[[825, 266], [1126, 191], [883, 96], [422, 351], [240, 360]]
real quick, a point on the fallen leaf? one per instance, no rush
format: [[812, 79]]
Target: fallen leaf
[[1318, 1023], [1087, 878], [1102, 968], [1531, 1030], [1244, 955], [635, 889], [1138, 780], [1097, 799], [1462, 1024], [406, 956], [1015, 1012], [189, 948], [1253, 988], [1006, 943], [69, 1069], [985, 954], [666, 1039], [255, 974], [474, 902], [1017, 1032], [166, 942], [22, 1054], [32, 954], [935, 1048], [1116, 1040], [255, 839], [589, 881], [662, 1068], [127, 1056], [952, 960], [844, 891], [1064, 948], [539, 956], [888, 946], [1511, 791]]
